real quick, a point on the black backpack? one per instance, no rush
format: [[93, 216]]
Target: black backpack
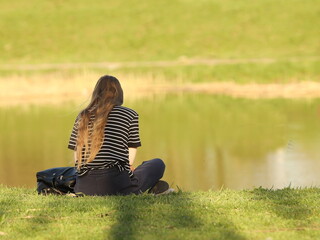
[[58, 181]]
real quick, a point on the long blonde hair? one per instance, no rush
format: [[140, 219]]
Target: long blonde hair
[[92, 120]]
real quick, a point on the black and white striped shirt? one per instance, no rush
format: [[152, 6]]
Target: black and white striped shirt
[[120, 133]]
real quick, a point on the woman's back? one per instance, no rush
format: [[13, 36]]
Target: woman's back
[[120, 133]]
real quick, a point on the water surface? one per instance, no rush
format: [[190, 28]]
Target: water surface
[[207, 142]]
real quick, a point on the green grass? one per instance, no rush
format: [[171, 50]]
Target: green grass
[[277, 72], [130, 30], [225, 214]]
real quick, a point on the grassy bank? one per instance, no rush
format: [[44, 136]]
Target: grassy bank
[[226, 214], [197, 70], [130, 30], [62, 86], [56, 50]]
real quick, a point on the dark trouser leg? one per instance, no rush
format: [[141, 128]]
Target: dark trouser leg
[[149, 173]]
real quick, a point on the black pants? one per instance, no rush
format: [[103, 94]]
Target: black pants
[[113, 182]]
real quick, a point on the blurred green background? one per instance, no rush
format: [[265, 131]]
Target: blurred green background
[[277, 39], [129, 30], [66, 45]]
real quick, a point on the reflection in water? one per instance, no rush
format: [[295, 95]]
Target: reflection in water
[[207, 142], [293, 167], [220, 171]]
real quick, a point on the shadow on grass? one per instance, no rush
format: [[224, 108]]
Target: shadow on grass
[[174, 216], [126, 217], [286, 203], [199, 221]]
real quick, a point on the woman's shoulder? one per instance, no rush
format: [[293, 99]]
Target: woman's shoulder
[[125, 110]]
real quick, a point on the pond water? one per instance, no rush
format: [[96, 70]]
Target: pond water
[[207, 142]]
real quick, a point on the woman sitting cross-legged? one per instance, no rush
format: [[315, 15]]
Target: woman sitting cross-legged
[[105, 138]]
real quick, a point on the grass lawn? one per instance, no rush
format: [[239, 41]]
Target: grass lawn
[[225, 214], [129, 30], [275, 72]]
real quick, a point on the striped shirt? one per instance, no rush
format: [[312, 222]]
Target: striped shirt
[[120, 133]]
